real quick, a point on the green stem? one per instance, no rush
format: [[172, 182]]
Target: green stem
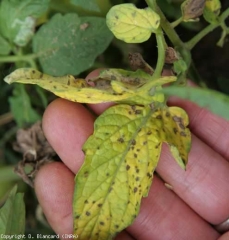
[[18, 58], [166, 25], [192, 43], [176, 22], [161, 46]]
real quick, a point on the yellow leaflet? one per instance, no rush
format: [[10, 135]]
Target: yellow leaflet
[[131, 24], [213, 5], [120, 158], [78, 90], [212, 10]]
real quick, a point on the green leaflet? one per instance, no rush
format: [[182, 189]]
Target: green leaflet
[[21, 108], [18, 19], [5, 47], [132, 25], [69, 44], [214, 101], [120, 160], [212, 10], [12, 214], [91, 5], [101, 89]]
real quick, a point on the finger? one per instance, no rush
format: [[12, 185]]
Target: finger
[[210, 128], [163, 215], [54, 185], [225, 236], [204, 185], [67, 126]]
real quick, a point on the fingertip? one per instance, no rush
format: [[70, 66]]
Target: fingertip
[[54, 186], [67, 125]]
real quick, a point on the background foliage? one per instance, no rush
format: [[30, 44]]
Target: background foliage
[[68, 37]]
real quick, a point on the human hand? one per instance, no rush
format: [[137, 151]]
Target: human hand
[[200, 195]]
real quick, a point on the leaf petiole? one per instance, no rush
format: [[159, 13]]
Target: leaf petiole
[[191, 43], [161, 45], [18, 58]]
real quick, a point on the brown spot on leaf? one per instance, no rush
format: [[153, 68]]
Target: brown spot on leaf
[[88, 213], [138, 112], [175, 130], [149, 133], [183, 134], [135, 189], [167, 114], [176, 119], [181, 125], [135, 155], [127, 167], [158, 117], [121, 140], [101, 223], [100, 205]]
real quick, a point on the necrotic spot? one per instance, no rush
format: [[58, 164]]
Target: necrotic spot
[[88, 213]]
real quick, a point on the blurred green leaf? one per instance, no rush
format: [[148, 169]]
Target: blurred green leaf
[[91, 5], [21, 107], [5, 47], [70, 44], [18, 19], [12, 214], [214, 101]]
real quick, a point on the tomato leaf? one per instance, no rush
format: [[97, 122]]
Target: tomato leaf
[[12, 214], [98, 90], [69, 44], [120, 160], [132, 25]]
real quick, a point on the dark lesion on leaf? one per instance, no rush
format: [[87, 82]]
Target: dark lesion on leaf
[[175, 130], [121, 140], [88, 214], [183, 134], [135, 190], [86, 173], [102, 223], [158, 117], [127, 167], [138, 112]]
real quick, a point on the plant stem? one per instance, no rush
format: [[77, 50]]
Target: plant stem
[[176, 22], [17, 58], [166, 26], [192, 43], [161, 46]]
